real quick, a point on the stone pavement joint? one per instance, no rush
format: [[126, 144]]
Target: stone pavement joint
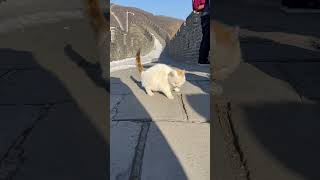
[[14, 157], [114, 110], [162, 127], [138, 157], [184, 107], [172, 152], [223, 111]]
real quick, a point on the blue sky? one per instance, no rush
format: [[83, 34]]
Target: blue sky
[[173, 8]]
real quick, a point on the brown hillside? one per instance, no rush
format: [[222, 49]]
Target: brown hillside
[[169, 24]]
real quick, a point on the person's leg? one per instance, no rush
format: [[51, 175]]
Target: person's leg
[[205, 42]]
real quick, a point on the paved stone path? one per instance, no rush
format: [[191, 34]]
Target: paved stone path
[[269, 121], [157, 138], [53, 109], [265, 122]]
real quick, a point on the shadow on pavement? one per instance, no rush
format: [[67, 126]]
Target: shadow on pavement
[[202, 82], [164, 157], [93, 70], [289, 131], [286, 130], [153, 157], [59, 139], [173, 169], [200, 104], [138, 83], [303, 77], [197, 102]]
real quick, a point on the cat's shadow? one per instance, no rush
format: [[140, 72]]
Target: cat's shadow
[[93, 70], [139, 84]]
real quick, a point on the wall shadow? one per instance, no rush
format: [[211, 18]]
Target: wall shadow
[[268, 16], [287, 130], [61, 141], [197, 102], [303, 77], [194, 79], [174, 168], [161, 150], [194, 100], [156, 145]]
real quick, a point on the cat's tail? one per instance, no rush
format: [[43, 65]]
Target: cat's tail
[[94, 12], [138, 62]]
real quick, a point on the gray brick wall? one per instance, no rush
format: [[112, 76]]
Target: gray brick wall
[[185, 44]]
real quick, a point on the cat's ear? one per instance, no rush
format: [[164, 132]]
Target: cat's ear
[[180, 72]]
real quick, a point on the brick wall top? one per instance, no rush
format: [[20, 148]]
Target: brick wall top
[[186, 42]]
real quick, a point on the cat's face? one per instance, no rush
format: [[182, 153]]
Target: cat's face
[[177, 78]]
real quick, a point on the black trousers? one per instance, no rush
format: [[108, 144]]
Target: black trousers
[[205, 42]]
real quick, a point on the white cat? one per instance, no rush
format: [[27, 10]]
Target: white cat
[[160, 77]]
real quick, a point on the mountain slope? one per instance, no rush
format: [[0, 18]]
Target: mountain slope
[[168, 24]]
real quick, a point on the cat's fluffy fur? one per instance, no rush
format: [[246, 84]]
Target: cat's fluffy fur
[[100, 25], [160, 77]]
